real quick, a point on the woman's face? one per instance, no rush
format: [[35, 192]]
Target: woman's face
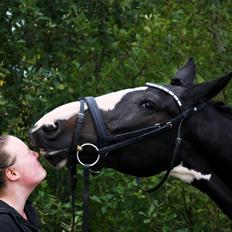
[[27, 164]]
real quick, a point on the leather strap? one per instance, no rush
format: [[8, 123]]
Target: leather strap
[[72, 160], [171, 163], [97, 118]]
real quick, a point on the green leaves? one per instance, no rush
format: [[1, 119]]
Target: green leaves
[[53, 52]]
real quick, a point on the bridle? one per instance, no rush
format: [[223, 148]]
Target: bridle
[[107, 143]]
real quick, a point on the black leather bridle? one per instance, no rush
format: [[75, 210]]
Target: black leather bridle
[[107, 142]]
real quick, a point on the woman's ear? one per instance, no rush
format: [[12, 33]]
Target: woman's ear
[[11, 174]]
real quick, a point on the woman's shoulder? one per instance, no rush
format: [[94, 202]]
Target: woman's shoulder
[[10, 220], [7, 222], [5, 208]]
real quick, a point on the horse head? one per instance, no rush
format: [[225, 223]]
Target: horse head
[[123, 112], [140, 129]]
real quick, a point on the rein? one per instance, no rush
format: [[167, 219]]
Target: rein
[[107, 143]]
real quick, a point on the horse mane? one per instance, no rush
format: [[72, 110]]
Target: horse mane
[[226, 110]]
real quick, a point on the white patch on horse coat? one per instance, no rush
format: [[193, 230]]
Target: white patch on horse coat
[[62, 112], [109, 101], [61, 164], [188, 175], [105, 102]]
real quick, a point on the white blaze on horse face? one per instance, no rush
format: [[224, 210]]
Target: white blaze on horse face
[[188, 175], [105, 102], [60, 113], [109, 101]]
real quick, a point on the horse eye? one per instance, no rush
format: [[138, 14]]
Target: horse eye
[[148, 105]]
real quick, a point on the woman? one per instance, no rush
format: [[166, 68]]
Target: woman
[[20, 173]]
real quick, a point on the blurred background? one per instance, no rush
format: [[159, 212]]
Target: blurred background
[[53, 52]]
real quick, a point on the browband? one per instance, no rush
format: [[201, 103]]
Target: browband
[[165, 90]]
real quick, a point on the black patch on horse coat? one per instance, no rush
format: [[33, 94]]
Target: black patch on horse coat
[[206, 135]]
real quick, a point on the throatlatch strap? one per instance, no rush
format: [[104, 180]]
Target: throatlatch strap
[[171, 163]]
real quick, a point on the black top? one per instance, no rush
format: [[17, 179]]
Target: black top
[[12, 221]]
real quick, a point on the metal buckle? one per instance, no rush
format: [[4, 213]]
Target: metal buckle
[[80, 148], [169, 123]]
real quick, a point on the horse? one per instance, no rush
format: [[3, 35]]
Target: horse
[[143, 131]]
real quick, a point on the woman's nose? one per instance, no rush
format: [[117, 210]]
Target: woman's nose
[[36, 154]]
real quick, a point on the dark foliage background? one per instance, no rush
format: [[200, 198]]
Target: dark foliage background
[[52, 52]]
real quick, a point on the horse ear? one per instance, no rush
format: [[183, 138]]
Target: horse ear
[[207, 90], [185, 75]]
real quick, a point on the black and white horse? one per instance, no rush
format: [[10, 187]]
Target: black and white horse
[[204, 158]]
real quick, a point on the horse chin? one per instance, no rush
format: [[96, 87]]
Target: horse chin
[[56, 159]]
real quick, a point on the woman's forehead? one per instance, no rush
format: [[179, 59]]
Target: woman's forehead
[[14, 145]]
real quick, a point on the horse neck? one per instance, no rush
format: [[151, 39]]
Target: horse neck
[[209, 133], [206, 149]]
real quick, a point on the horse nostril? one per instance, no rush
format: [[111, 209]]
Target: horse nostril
[[52, 131], [50, 128]]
